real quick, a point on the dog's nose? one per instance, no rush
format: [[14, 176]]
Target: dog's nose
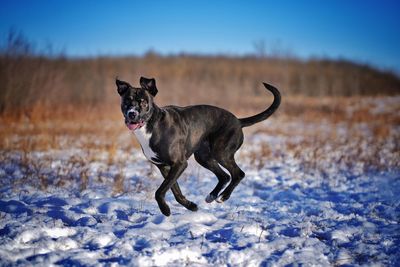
[[132, 114]]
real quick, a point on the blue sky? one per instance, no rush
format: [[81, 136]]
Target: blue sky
[[360, 30]]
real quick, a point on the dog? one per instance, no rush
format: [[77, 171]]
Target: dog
[[170, 135]]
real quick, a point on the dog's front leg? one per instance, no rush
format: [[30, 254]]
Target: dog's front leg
[[179, 197], [175, 171]]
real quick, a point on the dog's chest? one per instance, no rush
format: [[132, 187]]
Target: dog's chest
[[144, 139]]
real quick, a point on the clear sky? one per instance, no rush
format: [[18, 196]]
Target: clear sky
[[362, 30]]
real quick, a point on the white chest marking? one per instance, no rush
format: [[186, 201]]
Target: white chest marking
[[144, 139]]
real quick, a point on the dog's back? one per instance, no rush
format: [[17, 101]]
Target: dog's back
[[199, 123]]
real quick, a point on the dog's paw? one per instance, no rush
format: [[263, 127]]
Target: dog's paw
[[192, 206], [222, 198], [210, 198], [166, 210]]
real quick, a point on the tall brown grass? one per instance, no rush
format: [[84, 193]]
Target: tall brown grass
[[36, 80]]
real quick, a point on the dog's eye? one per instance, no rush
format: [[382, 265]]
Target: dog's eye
[[143, 103]]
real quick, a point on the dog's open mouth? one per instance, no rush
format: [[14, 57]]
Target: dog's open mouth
[[134, 125]]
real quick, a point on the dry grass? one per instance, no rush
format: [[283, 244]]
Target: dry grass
[[118, 186], [33, 80], [343, 133], [59, 104], [348, 134]]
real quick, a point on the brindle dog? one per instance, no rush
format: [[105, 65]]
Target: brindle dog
[[170, 135]]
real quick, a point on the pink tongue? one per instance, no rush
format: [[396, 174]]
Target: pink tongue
[[134, 126]]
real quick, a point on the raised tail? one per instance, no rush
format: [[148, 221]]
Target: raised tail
[[266, 113]]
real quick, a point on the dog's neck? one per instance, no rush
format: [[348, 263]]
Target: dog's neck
[[154, 116]]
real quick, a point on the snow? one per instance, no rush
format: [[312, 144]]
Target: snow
[[281, 214]]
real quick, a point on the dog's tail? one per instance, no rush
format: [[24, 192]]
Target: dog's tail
[[266, 113]]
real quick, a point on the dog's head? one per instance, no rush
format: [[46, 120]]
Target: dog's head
[[137, 103]]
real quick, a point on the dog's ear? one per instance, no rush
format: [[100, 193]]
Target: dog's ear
[[122, 86], [149, 85]]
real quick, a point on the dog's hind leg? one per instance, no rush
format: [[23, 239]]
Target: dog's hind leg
[[204, 157], [237, 175], [180, 198], [224, 148]]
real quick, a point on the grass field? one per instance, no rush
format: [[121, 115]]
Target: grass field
[[359, 123]]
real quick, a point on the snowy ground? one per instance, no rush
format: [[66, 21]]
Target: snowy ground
[[56, 209]]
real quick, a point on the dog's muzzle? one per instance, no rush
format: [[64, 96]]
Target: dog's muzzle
[[132, 114], [131, 120]]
